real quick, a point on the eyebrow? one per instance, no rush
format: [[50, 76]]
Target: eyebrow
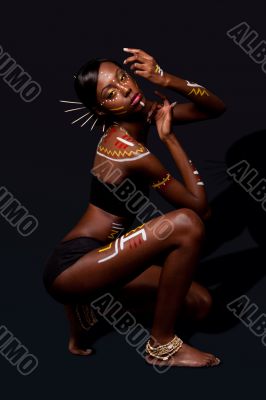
[[118, 69]]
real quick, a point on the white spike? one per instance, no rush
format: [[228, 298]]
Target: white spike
[[87, 120], [94, 123], [74, 109], [84, 115], [70, 102]]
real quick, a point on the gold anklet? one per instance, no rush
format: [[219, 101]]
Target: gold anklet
[[164, 351], [88, 315]]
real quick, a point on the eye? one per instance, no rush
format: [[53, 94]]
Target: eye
[[110, 94], [124, 75]]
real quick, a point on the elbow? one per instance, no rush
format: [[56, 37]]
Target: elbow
[[204, 211], [219, 110], [206, 214]]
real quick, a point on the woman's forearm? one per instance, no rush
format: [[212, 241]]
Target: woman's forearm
[[190, 175], [199, 95]]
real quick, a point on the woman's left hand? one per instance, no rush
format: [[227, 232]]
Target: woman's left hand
[[145, 65]]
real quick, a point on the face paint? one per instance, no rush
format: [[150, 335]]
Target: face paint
[[163, 182], [196, 172], [123, 81], [117, 109], [138, 236]]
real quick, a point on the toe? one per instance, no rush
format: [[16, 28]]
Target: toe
[[81, 352], [214, 361]]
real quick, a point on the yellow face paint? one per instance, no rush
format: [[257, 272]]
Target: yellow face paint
[[118, 108]]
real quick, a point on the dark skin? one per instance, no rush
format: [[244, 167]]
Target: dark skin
[[164, 267]]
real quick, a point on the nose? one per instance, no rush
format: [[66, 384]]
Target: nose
[[124, 89]]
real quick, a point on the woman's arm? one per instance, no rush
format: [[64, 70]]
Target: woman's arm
[[189, 173], [190, 194], [203, 103]]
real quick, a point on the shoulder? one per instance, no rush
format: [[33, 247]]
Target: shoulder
[[118, 145]]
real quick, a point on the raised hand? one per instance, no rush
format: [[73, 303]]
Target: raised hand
[[145, 65], [163, 117]]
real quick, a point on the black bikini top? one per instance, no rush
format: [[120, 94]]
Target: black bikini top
[[108, 196], [103, 195]]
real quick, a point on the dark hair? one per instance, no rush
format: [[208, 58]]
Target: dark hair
[[86, 81]]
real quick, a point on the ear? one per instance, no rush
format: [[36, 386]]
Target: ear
[[97, 110], [101, 113]]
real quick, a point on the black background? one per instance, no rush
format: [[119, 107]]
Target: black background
[[45, 164]]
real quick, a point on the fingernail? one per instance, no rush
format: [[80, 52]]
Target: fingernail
[[124, 61], [125, 48]]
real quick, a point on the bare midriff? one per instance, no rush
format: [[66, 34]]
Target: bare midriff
[[98, 224]]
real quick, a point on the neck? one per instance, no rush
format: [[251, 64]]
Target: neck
[[136, 124]]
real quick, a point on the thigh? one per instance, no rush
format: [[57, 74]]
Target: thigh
[[119, 261]]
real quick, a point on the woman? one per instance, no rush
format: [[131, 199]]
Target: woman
[[100, 254]]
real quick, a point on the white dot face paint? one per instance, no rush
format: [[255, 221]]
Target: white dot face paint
[[115, 95]]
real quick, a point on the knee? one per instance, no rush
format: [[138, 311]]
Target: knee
[[188, 226]]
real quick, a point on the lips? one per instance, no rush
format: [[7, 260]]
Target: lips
[[135, 99]]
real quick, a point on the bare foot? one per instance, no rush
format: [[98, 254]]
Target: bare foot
[[187, 356], [79, 341], [78, 344]]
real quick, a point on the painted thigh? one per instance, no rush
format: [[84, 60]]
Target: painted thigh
[[118, 262]]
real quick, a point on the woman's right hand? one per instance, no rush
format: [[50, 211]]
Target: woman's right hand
[[163, 117]]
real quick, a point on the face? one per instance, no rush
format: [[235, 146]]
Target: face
[[115, 89]]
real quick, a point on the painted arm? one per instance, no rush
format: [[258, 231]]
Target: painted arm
[[190, 194], [203, 104]]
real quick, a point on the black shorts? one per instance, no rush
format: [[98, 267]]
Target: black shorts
[[65, 254]]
